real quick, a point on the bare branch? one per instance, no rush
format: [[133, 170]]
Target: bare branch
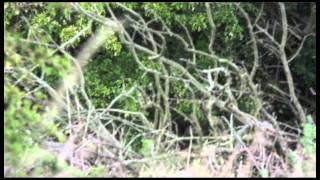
[[286, 65]]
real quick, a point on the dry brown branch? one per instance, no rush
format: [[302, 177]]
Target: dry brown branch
[[254, 43], [285, 64]]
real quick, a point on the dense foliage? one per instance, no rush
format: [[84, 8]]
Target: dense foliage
[[144, 99]]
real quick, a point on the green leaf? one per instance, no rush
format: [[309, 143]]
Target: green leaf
[[147, 147], [264, 172]]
